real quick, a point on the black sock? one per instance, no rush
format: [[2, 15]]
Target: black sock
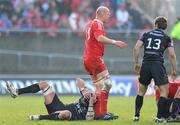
[[161, 107], [138, 105], [53, 116], [30, 89], [175, 107]]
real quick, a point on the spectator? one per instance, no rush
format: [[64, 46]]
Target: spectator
[[64, 24], [73, 18], [64, 7], [5, 22], [34, 17], [175, 32], [54, 24], [123, 19], [134, 16]]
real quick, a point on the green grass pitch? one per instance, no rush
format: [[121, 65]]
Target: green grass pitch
[[15, 111]]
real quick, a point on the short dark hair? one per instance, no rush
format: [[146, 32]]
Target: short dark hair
[[161, 22]]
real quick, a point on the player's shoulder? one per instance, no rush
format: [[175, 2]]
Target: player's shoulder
[[97, 23], [89, 23], [146, 33], [167, 38]]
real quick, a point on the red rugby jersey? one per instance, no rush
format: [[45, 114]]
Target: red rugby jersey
[[94, 48]]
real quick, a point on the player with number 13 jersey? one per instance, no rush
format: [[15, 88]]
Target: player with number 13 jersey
[[155, 42]]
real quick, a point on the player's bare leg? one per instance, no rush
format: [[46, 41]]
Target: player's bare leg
[[43, 85], [102, 81], [139, 101], [49, 94]]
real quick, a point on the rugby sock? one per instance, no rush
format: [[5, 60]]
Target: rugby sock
[[175, 107], [138, 105], [100, 107], [30, 89], [104, 98], [161, 107], [53, 116]]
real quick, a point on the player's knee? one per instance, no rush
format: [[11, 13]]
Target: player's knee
[[64, 115], [107, 84], [163, 90], [142, 89], [43, 85], [46, 88]]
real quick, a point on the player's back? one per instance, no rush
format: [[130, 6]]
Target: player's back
[[155, 43], [94, 29]]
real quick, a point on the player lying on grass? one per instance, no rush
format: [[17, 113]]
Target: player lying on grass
[[172, 113], [57, 110], [100, 107]]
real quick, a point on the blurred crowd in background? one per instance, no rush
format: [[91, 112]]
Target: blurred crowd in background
[[32, 15], [68, 14]]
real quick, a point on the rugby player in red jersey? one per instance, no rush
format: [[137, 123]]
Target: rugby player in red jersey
[[173, 104], [93, 57]]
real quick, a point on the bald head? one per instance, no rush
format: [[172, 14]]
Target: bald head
[[101, 9], [102, 13]]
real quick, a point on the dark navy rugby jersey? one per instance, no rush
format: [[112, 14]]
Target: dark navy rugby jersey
[[155, 43], [78, 109]]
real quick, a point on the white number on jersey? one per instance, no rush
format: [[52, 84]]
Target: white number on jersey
[[156, 46]]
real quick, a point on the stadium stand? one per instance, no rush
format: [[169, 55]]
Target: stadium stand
[[63, 54], [45, 36]]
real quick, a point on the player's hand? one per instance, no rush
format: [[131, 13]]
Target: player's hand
[[120, 44], [92, 99], [173, 75], [137, 68], [80, 83], [87, 94]]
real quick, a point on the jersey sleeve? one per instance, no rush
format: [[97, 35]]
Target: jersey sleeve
[[142, 36], [98, 29], [169, 42]]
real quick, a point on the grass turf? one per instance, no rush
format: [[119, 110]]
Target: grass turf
[[15, 111]]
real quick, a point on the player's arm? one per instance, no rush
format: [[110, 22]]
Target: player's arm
[[90, 112], [106, 40], [80, 83], [172, 57], [136, 51]]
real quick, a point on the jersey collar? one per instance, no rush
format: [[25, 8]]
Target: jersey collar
[[159, 29], [98, 20]]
